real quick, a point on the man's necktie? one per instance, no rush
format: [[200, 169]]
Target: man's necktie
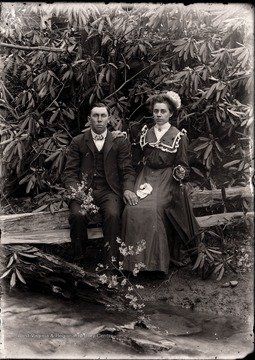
[[99, 137]]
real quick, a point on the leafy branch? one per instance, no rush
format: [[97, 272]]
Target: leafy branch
[[33, 48]]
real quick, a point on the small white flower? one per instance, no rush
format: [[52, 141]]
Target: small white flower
[[118, 240], [103, 278], [113, 282], [123, 282], [139, 286], [140, 306], [135, 271], [124, 252]]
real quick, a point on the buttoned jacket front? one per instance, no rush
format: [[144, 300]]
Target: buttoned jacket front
[[80, 162]]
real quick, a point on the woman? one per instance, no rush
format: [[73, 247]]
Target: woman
[[163, 216]]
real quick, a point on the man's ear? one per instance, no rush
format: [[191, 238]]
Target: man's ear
[[89, 119]]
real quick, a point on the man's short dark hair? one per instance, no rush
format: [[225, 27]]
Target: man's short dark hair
[[99, 104]]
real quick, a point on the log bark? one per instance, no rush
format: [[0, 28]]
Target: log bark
[[18, 230], [41, 227], [48, 228], [50, 274]]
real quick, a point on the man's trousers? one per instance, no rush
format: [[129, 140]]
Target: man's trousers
[[111, 207]]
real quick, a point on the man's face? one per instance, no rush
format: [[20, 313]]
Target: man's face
[[98, 119]]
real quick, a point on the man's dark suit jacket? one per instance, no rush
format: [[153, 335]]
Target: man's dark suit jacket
[[119, 171]]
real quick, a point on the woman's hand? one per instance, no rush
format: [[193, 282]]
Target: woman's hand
[[179, 172]]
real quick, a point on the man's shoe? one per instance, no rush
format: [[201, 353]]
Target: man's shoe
[[79, 262]]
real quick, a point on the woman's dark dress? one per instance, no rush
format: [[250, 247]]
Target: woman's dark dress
[[148, 220]]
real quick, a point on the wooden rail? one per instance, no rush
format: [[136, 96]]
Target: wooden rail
[[207, 198], [44, 227]]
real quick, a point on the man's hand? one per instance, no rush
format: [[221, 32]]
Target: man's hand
[[118, 133], [130, 197]]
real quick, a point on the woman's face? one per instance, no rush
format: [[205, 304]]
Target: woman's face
[[161, 113]]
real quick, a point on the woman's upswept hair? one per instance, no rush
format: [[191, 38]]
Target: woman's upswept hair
[[170, 97]]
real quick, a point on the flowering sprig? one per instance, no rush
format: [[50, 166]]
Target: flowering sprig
[[131, 249], [244, 260], [83, 194], [121, 281]]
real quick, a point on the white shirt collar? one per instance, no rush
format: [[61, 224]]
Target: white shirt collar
[[94, 134]]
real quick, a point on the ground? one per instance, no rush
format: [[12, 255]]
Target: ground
[[186, 288], [189, 290]]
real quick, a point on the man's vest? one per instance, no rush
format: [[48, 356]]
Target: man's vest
[[99, 179]]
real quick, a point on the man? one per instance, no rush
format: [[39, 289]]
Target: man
[[106, 163]]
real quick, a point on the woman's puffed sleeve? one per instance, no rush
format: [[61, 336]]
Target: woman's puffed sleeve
[[182, 155]]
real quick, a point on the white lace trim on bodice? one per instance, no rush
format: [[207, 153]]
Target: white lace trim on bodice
[[159, 144]]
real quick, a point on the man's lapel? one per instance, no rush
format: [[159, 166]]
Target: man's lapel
[[89, 140], [108, 143]]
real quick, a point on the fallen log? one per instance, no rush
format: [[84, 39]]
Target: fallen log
[[47, 228], [50, 274], [41, 227]]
